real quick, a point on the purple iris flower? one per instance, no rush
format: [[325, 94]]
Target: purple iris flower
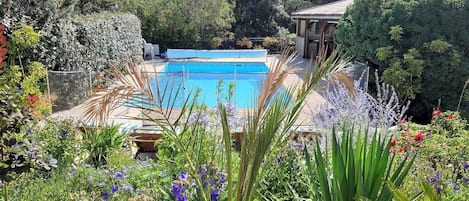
[[119, 175], [177, 190], [114, 189], [106, 196], [466, 165]]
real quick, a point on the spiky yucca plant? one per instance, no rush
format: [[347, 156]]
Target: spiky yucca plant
[[359, 168], [273, 114]]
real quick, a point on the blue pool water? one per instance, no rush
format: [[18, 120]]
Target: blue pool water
[[246, 76]]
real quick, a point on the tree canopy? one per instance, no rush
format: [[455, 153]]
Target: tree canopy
[[181, 23], [420, 47]]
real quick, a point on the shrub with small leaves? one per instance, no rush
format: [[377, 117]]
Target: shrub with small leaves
[[91, 42], [21, 151], [449, 123]]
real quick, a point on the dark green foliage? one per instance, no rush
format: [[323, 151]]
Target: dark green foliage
[[91, 42], [61, 138], [284, 178], [74, 41], [358, 168], [42, 13], [181, 23], [421, 47], [259, 18]]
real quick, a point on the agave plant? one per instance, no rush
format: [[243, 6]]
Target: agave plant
[[358, 170], [273, 114]]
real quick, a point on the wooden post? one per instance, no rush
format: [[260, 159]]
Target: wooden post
[[306, 42], [322, 29]]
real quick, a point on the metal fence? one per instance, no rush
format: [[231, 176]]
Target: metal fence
[[68, 88]]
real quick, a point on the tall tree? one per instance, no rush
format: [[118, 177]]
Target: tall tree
[[259, 17], [181, 23], [420, 47]]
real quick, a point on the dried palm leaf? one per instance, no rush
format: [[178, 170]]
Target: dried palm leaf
[[129, 83]]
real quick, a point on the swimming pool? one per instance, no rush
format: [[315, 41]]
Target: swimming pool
[[246, 76]]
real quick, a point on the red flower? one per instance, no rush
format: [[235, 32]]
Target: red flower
[[401, 150], [436, 113], [419, 136], [402, 121], [393, 142], [451, 116], [32, 99]]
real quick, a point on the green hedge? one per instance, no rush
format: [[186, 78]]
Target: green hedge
[[91, 42]]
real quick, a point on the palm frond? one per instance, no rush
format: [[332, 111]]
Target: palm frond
[[274, 115], [129, 83]]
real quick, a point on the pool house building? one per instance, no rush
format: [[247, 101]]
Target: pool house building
[[315, 27]]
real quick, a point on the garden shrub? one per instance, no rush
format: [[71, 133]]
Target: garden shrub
[[271, 43], [142, 180], [61, 139], [21, 152], [284, 178], [22, 76], [91, 42], [359, 107], [443, 161], [215, 42], [410, 42]]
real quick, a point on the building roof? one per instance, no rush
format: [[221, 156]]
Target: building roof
[[330, 11]]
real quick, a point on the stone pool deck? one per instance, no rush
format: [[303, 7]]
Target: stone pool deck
[[124, 115]]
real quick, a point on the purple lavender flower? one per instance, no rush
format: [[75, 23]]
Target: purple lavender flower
[[119, 175], [296, 146], [431, 180], [114, 189], [181, 198], [214, 195], [202, 171], [222, 180], [451, 183], [182, 176], [106, 195], [198, 118], [361, 108], [178, 192], [31, 154], [64, 132], [128, 188]]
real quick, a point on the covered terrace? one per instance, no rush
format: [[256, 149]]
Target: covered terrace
[[315, 27]]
